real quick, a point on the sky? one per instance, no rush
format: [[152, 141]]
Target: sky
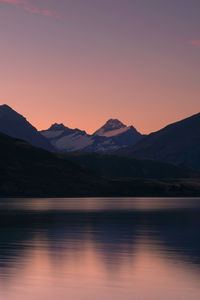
[[82, 62]]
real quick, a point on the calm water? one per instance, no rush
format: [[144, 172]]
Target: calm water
[[100, 249]]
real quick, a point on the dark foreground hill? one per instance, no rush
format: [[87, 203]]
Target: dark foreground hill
[[27, 171], [177, 143], [114, 166]]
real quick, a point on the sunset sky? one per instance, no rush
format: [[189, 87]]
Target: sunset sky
[[81, 62]]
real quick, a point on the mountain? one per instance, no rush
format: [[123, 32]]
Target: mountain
[[15, 125], [177, 143], [110, 165], [28, 171], [109, 138], [112, 127], [66, 139]]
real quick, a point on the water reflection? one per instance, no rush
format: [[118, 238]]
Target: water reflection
[[147, 250]]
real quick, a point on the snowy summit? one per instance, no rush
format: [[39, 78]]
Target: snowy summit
[[112, 136], [112, 127]]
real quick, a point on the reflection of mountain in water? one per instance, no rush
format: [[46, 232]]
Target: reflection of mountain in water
[[115, 235]]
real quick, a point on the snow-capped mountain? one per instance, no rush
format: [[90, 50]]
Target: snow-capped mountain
[[15, 125], [66, 139], [109, 138], [112, 127]]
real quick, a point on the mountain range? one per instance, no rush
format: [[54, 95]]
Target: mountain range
[[110, 137], [177, 144]]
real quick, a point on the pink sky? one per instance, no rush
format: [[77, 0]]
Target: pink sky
[[82, 63]]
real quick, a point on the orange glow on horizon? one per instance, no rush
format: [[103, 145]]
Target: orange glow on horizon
[[135, 66]]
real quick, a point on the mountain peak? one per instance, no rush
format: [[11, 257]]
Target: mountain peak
[[15, 125], [8, 112], [57, 126], [113, 124], [6, 108], [111, 128]]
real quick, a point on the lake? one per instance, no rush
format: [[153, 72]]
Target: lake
[[100, 249]]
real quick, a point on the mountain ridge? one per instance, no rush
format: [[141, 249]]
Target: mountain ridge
[[15, 125], [66, 139], [178, 143]]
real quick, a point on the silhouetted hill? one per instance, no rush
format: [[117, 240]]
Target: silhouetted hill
[[15, 125], [27, 171], [177, 143], [121, 167]]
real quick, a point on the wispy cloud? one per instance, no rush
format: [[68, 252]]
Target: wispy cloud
[[195, 43], [29, 7], [14, 1]]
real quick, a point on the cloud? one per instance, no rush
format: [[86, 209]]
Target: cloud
[[195, 43], [14, 1], [29, 7]]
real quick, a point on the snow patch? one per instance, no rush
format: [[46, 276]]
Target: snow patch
[[73, 142], [101, 132], [52, 133]]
